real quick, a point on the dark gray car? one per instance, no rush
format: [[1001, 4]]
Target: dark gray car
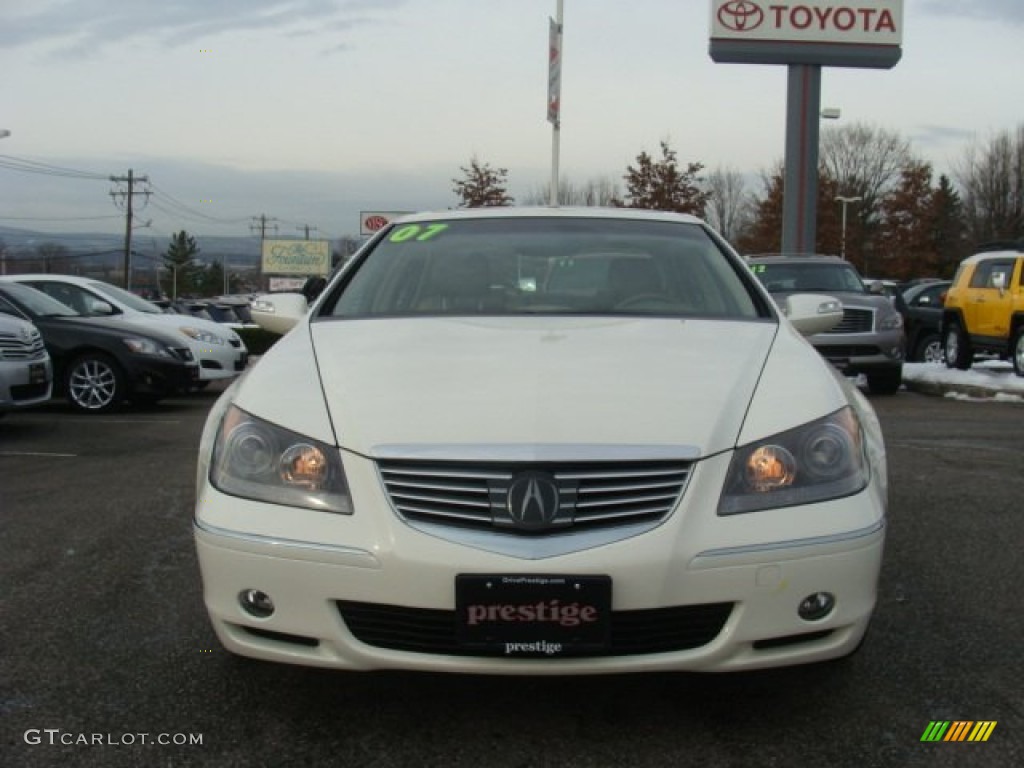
[[869, 340]]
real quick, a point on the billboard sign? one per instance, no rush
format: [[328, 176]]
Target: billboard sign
[[845, 33], [296, 257], [371, 222]]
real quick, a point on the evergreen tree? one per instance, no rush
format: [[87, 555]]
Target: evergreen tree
[[180, 263], [482, 186]]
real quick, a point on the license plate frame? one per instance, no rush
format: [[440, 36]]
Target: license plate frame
[[533, 614]]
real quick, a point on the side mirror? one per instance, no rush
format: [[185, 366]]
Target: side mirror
[[98, 307], [278, 312], [313, 287], [812, 313]]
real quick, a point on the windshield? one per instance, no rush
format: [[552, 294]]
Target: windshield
[[808, 277], [526, 265], [36, 303], [126, 298]]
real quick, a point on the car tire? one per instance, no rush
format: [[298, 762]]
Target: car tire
[[94, 383], [885, 382], [929, 349], [1017, 351], [957, 347]]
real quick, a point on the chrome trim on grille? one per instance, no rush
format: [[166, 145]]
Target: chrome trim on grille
[[514, 453], [468, 502]]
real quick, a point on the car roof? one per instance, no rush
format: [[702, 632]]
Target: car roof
[[989, 255], [525, 212], [778, 258]]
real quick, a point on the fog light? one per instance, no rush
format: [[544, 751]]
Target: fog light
[[256, 603], [816, 606]]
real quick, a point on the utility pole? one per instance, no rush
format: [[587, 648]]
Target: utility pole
[[307, 229], [261, 223], [127, 196]]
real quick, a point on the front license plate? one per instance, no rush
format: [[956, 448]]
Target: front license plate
[[36, 373], [533, 615]]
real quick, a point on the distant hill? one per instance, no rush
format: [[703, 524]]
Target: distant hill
[[90, 249]]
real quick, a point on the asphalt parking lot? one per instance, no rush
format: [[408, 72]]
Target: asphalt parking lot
[[106, 652]]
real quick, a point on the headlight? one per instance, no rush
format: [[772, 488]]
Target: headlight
[[143, 346], [200, 335], [891, 322], [258, 460], [816, 462]]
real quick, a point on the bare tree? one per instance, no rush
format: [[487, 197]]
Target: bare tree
[[601, 192], [728, 207], [867, 162], [992, 179]]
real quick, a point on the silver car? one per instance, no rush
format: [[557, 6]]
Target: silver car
[[26, 373], [869, 340]]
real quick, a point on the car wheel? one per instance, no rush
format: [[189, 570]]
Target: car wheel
[[957, 348], [929, 349], [885, 382], [1017, 351], [94, 383]]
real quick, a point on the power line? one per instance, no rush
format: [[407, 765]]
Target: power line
[[34, 166]]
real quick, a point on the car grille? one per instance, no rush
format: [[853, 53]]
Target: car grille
[[15, 346], [842, 352], [424, 630], [20, 392], [855, 321], [589, 495]]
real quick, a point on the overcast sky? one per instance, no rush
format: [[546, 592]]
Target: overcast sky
[[309, 111]]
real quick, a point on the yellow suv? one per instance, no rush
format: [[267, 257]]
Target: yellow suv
[[984, 308]]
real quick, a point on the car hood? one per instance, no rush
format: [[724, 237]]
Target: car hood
[[681, 386], [171, 322]]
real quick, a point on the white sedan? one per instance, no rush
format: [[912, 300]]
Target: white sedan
[[543, 441]]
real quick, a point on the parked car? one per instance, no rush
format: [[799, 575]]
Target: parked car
[[220, 351], [26, 373], [984, 308], [921, 307], [454, 462], [870, 338], [98, 363]]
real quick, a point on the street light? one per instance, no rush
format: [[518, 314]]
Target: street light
[[845, 201]]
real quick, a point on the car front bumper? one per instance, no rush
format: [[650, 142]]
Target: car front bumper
[[370, 592]]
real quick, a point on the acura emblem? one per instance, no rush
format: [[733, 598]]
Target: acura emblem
[[533, 500]]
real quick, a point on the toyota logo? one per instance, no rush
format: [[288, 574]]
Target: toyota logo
[[740, 15], [533, 500]]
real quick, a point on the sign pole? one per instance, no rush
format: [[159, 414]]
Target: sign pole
[[555, 95]]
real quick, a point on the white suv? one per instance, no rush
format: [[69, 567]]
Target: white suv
[[220, 351]]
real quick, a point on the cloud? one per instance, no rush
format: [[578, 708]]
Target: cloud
[[1011, 11], [84, 27]]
